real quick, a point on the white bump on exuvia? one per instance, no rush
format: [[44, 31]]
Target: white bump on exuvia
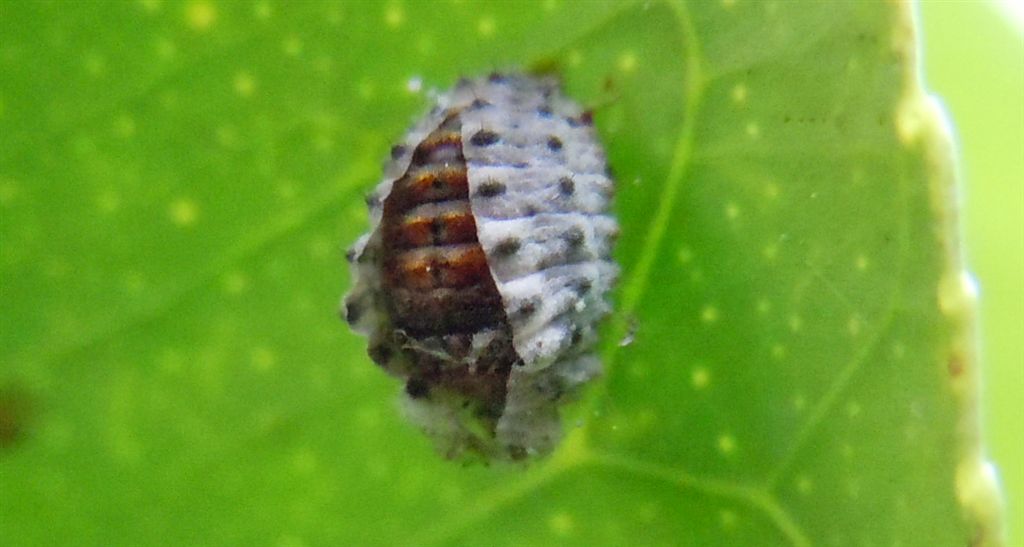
[[727, 518], [753, 130], [700, 377], [861, 262], [685, 255], [763, 306], [853, 409], [739, 94], [200, 15], [732, 211], [414, 84], [709, 314], [804, 485], [244, 84], [262, 359], [262, 10], [292, 46], [235, 282], [561, 523], [726, 444], [183, 212], [795, 323], [394, 16], [627, 61], [853, 325], [778, 352], [485, 27]]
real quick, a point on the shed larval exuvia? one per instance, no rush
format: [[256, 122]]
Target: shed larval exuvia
[[484, 274]]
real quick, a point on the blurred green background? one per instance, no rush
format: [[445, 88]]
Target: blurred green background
[[178, 179], [974, 61]]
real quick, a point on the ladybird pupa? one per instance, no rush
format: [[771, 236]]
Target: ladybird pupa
[[486, 268]]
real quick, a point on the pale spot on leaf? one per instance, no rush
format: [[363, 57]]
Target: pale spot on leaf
[[726, 444], [709, 314], [485, 27], [627, 62], [394, 16], [700, 377], [183, 212], [561, 524], [200, 16], [739, 94]]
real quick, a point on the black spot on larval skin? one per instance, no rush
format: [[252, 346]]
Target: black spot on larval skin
[[566, 186], [477, 104], [491, 188], [372, 201], [484, 137], [574, 237], [416, 388], [507, 247], [353, 311], [398, 151], [544, 111], [350, 255], [381, 354], [525, 309], [496, 77], [581, 286], [554, 143]]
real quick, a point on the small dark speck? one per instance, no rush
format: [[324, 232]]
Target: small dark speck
[[484, 138], [554, 143], [507, 247], [520, 165], [574, 237], [609, 172], [587, 118], [350, 255], [372, 201], [397, 151], [491, 188], [581, 286], [566, 186], [526, 309], [353, 312], [577, 336], [496, 77], [544, 111], [416, 388], [380, 354], [477, 104]]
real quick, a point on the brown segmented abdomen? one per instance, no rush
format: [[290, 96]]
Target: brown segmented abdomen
[[437, 286]]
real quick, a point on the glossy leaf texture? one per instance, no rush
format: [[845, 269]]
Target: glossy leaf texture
[[178, 181]]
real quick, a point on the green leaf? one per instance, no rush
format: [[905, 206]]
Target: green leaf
[[177, 182]]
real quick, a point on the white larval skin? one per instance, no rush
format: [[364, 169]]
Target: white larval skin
[[547, 238]]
